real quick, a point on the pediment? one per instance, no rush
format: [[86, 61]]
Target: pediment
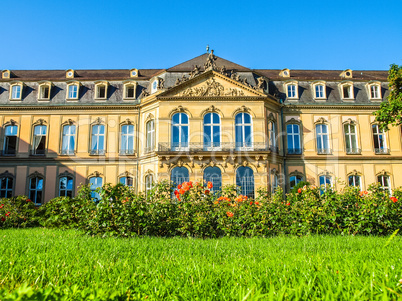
[[211, 84]]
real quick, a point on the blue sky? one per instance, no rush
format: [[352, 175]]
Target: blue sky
[[160, 34]]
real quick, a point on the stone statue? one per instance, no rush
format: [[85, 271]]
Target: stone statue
[[260, 83], [144, 93], [224, 71], [210, 63], [177, 82], [161, 83], [195, 71]]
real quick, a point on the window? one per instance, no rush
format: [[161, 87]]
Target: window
[[245, 180], [101, 90], [68, 140], [6, 187], [10, 140], [325, 181], [179, 175], [243, 128], [385, 183], [274, 182], [272, 135], [354, 180], [95, 182], [213, 175], [351, 139], [293, 137], [380, 143], [154, 86], [291, 90], [347, 92], [322, 139], [39, 140], [16, 92], [375, 91], [36, 190], [72, 91], [98, 140], [294, 180], [149, 179], [66, 186], [127, 139], [126, 181], [44, 91], [150, 127], [319, 91], [129, 91], [212, 131], [180, 131]]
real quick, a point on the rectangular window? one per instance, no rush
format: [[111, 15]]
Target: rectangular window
[[130, 91], [10, 140], [375, 92], [385, 183], [16, 92], [68, 140], [98, 140], [101, 91], [73, 92], [346, 91], [380, 143], [293, 137], [36, 190], [66, 187], [150, 136], [351, 139], [319, 91], [292, 91], [322, 139], [44, 92], [6, 187], [127, 139], [39, 141]]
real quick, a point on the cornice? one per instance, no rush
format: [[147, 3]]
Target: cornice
[[62, 107], [213, 98], [326, 107]]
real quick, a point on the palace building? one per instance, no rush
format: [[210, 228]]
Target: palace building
[[207, 119]]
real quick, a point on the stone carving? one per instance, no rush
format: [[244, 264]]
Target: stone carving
[[234, 75], [161, 83], [234, 92], [260, 83], [98, 121], [212, 88], [210, 63], [224, 71], [144, 93], [177, 82], [246, 83], [321, 120], [195, 72]]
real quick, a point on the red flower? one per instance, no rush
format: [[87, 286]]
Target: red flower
[[394, 199], [229, 214], [181, 191], [206, 191], [209, 185], [28, 200], [251, 203], [3, 219], [179, 186], [190, 184], [288, 204], [257, 203], [8, 213], [299, 190]]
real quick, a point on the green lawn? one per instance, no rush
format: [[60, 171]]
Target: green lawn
[[36, 263]]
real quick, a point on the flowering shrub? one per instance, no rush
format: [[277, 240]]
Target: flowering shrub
[[194, 209]]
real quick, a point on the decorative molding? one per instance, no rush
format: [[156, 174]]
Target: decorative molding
[[40, 122], [95, 174], [127, 121], [354, 172], [10, 122], [126, 174], [36, 174], [383, 173], [243, 109], [150, 117], [97, 121], [7, 174], [66, 174], [68, 122], [211, 109], [293, 121], [321, 120], [350, 121], [180, 109]]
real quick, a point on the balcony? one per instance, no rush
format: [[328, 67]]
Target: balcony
[[97, 152], [353, 151], [127, 152], [294, 151], [324, 151], [223, 147], [381, 151]]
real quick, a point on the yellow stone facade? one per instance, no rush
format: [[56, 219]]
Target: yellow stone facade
[[206, 90]]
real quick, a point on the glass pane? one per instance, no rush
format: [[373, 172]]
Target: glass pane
[[213, 175], [239, 136], [247, 118], [176, 135], [247, 131], [184, 118], [184, 135], [63, 183], [101, 129], [101, 142], [207, 135], [238, 118], [216, 118], [207, 118], [69, 183], [40, 184], [176, 118]]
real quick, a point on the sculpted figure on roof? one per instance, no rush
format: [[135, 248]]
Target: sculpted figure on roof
[[195, 71], [210, 63]]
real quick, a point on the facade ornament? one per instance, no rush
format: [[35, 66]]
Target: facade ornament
[[210, 63], [212, 88], [224, 159], [257, 158], [11, 122], [195, 72], [7, 174], [144, 93], [245, 163], [321, 120], [35, 174], [160, 162], [98, 120], [40, 122], [180, 163], [183, 78], [177, 82], [260, 83], [95, 174], [350, 121], [192, 161], [223, 71], [234, 92], [246, 83], [161, 83], [212, 163]]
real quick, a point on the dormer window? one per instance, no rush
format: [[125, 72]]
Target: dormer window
[[134, 72], [101, 90], [16, 91], [375, 91], [154, 86], [129, 90], [291, 90], [6, 74], [70, 73], [73, 90], [347, 90], [319, 90], [44, 91]]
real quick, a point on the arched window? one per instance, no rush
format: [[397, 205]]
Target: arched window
[[127, 139], [325, 181], [126, 181], [95, 182], [245, 180], [6, 187], [351, 139], [293, 136], [180, 131], [322, 139], [294, 180], [149, 179], [179, 175], [66, 186], [355, 180], [39, 140], [16, 92], [98, 139], [243, 130], [385, 183], [72, 91], [380, 142], [272, 135], [68, 140], [212, 131], [10, 140], [36, 190], [213, 175], [150, 126]]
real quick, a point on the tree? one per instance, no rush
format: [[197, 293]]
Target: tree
[[390, 112]]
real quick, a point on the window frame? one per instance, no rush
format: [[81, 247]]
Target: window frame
[[11, 91], [41, 87], [68, 176], [95, 195], [217, 184], [294, 151], [6, 125], [71, 84], [32, 146], [323, 151], [385, 188], [38, 176], [126, 85], [296, 175], [272, 135], [348, 136], [127, 178], [148, 184], [379, 150], [214, 145], [244, 190], [296, 92], [98, 152], [150, 136], [351, 90], [324, 90], [97, 87], [73, 150], [180, 125], [242, 126], [6, 175], [127, 136], [354, 175], [376, 84]]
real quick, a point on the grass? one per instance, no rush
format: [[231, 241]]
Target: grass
[[43, 264]]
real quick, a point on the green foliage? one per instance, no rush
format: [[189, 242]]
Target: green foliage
[[54, 264], [18, 212], [390, 112], [299, 185]]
